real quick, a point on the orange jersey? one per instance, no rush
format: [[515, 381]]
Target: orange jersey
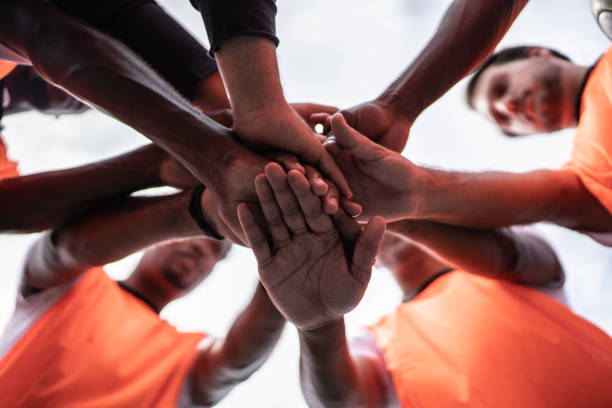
[[592, 154], [98, 346], [469, 341], [8, 168], [6, 67]]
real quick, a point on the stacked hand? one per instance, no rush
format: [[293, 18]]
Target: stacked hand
[[376, 120], [381, 179], [280, 128], [314, 270]]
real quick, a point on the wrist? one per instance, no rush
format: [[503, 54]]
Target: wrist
[[410, 200], [401, 110], [201, 207], [324, 330]]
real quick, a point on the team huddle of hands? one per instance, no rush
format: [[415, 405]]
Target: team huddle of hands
[[297, 205]]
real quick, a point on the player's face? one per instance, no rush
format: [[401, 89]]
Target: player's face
[[524, 96], [179, 266]]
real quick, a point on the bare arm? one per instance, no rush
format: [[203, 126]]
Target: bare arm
[[225, 362], [105, 73], [389, 185], [39, 201], [262, 116], [514, 254], [494, 199], [110, 234], [468, 32], [330, 376]]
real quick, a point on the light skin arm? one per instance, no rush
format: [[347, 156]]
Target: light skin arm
[[390, 185], [468, 32], [513, 254], [66, 194], [110, 234], [225, 362], [309, 258]]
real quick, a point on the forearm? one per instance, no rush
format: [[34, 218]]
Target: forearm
[[512, 254], [108, 235], [102, 71], [468, 32], [494, 199], [67, 194], [256, 88], [328, 374], [244, 349]]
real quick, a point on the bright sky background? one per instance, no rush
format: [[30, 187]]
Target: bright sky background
[[341, 53]]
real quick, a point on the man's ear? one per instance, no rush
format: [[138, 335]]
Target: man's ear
[[539, 52]]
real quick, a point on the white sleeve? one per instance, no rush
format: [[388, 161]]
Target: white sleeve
[[364, 345], [27, 312]]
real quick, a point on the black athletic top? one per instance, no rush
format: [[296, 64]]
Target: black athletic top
[[225, 19], [144, 27]]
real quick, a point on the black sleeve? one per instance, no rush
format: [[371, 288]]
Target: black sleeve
[[149, 31], [225, 19]]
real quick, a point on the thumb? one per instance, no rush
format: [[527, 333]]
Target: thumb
[[350, 139], [367, 248]]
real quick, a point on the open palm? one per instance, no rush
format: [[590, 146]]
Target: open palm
[[315, 270]]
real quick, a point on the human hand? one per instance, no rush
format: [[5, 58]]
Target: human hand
[[310, 274], [309, 110], [380, 178], [304, 109], [278, 127], [376, 120]]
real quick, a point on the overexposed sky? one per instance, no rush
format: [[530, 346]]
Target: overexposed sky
[[341, 53]]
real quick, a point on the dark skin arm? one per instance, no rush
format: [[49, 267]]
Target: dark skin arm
[[106, 74], [390, 185], [225, 362], [40, 201], [516, 255], [467, 34], [110, 234], [309, 258]]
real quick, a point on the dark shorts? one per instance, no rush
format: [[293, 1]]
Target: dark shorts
[[150, 32]]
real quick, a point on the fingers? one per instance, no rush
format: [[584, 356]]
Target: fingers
[[351, 207], [288, 161], [319, 187], [350, 139], [348, 227], [285, 198], [366, 248], [321, 118], [329, 167], [255, 237], [330, 200], [309, 203], [274, 219]]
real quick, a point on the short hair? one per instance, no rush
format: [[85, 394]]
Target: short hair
[[503, 56]]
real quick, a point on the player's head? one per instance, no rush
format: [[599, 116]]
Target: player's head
[[29, 91], [172, 269], [524, 90]]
